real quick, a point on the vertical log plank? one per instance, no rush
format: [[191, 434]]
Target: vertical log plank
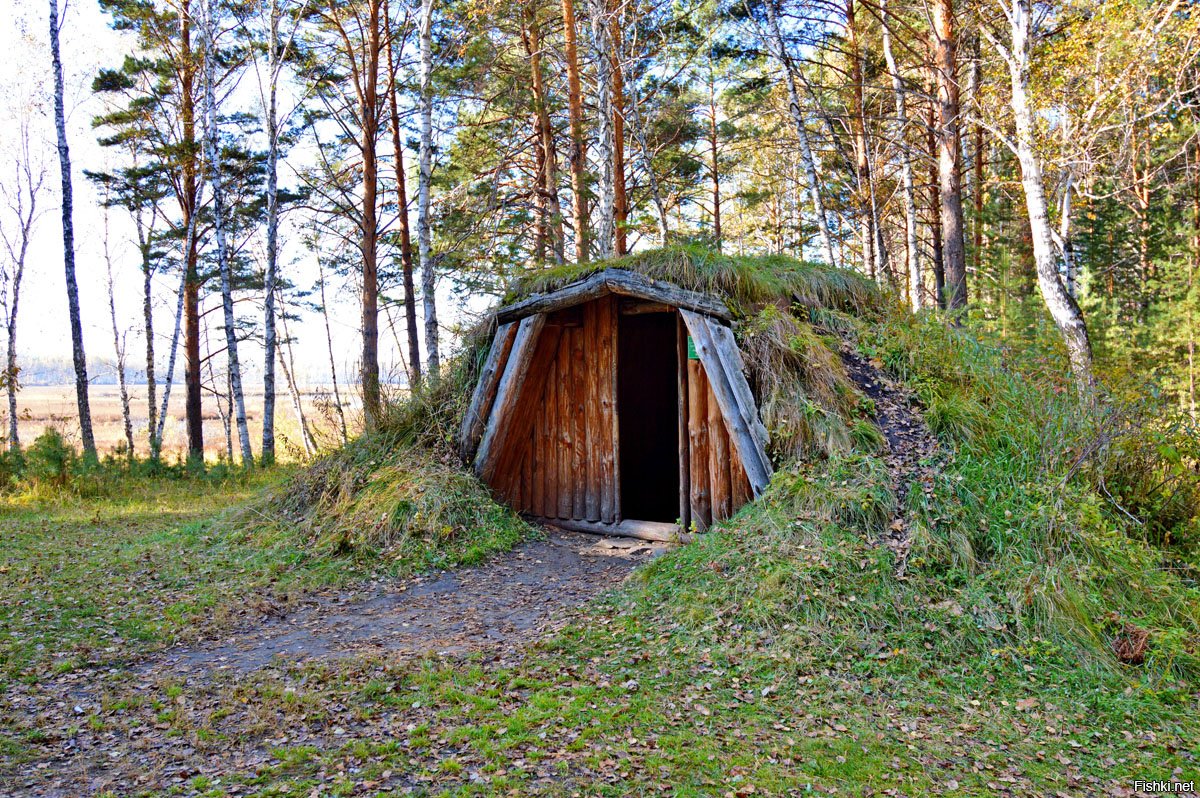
[[485, 391], [698, 445], [718, 460], [511, 384], [579, 422], [549, 410], [592, 379], [606, 374], [566, 429], [685, 498]]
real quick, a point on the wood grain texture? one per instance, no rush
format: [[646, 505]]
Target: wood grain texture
[[607, 354], [595, 438], [579, 376], [507, 392], [720, 490], [614, 281], [681, 387], [701, 509], [753, 455], [565, 432], [644, 530], [477, 413]]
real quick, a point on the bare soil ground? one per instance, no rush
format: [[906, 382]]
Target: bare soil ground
[[912, 448], [496, 608]]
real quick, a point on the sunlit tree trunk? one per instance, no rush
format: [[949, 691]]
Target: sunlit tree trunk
[[424, 230], [118, 346], [949, 154], [170, 378], [606, 187], [907, 184], [714, 160], [550, 216], [288, 364], [369, 111], [212, 146], [620, 195], [26, 188], [68, 227], [337, 394], [1063, 308], [406, 259], [575, 154], [274, 60], [190, 202], [775, 43]]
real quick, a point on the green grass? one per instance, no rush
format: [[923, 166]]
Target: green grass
[[780, 651], [90, 580]]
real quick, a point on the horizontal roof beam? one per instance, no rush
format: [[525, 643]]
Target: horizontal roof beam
[[614, 281]]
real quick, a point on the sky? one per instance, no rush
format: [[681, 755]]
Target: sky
[[89, 43]]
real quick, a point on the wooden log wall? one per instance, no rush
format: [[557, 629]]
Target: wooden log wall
[[564, 464], [718, 485], [560, 458]]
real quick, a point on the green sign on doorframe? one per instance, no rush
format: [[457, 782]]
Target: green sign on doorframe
[[692, 353]]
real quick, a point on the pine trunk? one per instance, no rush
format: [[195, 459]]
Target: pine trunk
[[575, 155], [949, 155], [620, 194], [191, 210], [369, 230], [272, 275], [406, 259]]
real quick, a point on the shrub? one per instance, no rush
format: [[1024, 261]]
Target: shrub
[[50, 460]]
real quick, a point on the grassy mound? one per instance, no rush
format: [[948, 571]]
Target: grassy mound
[[397, 496], [1054, 531]]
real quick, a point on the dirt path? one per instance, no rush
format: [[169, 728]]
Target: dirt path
[[498, 608], [911, 446], [503, 603]]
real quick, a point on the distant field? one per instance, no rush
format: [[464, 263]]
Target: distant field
[[42, 406]]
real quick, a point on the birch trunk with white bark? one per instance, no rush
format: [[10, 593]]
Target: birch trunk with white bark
[[68, 226], [907, 184], [1063, 309], [424, 229], [212, 147], [605, 227], [808, 160]]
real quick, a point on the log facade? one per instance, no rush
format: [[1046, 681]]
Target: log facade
[[545, 427]]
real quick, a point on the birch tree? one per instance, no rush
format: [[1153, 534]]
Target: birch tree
[[425, 178], [602, 50], [1016, 52], [212, 151], [68, 229], [21, 192], [904, 153], [775, 44]]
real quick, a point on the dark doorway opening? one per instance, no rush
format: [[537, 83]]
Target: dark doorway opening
[[648, 414]]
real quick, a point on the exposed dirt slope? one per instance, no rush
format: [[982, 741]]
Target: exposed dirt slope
[[911, 447]]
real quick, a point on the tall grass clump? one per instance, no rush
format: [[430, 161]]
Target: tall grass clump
[[397, 495], [746, 283], [1071, 515]]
